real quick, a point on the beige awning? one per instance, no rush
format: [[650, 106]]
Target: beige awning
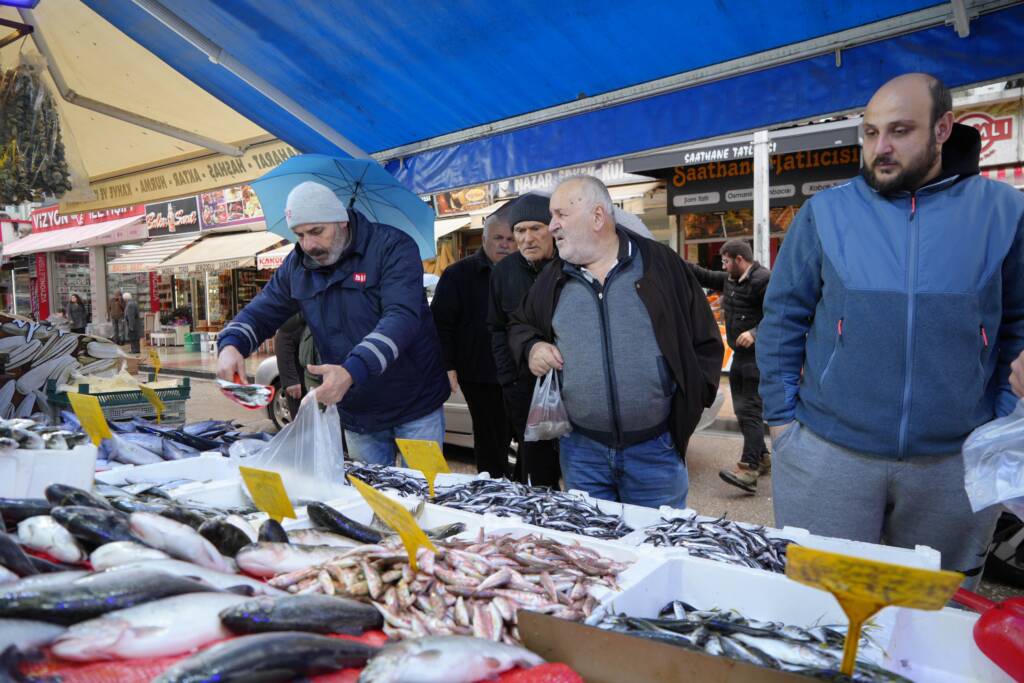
[[445, 226], [221, 252], [623, 192], [97, 234], [269, 260], [151, 254]]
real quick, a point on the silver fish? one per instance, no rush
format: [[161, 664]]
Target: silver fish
[[26, 634], [177, 540], [445, 659], [123, 552], [270, 559], [215, 578], [45, 534]]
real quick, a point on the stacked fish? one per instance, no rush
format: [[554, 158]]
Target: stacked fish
[[470, 587], [383, 477], [249, 395], [816, 651], [721, 540], [144, 442], [27, 433]]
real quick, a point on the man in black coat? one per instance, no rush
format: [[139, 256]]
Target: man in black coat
[[536, 461], [460, 314], [742, 282]]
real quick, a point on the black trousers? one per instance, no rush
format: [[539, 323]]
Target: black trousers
[[536, 461], [133, 339], [746, 401], [490, 427]]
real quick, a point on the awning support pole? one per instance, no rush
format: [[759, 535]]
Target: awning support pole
[[762, 225], [72, 97]]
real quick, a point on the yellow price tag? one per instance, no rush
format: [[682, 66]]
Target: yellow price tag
[[89, 413], [154, 400], [397, 517], [425, 456], [268, 492], [863, 587], [154, 360]]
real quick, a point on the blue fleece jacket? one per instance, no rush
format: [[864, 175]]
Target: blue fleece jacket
[[890, 322], [369, 314]]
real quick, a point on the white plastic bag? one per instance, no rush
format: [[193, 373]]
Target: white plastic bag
[[307, 453], [547, 418], [994, 463]]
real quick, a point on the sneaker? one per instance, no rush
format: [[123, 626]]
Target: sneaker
[[766, 464], [741, 476]]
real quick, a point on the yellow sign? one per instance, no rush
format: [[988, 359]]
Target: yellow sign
[[154, 360], [268, 492], [397, 517], [863, 587], [425, 456], [154, 400], [89, 413]]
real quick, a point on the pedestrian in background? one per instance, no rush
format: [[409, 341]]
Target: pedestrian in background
[[460, 314], [742, 282], [116, 313], [536, 461], [132, 322], [76, 313], [290, 373], [888, 332], [639, 352]]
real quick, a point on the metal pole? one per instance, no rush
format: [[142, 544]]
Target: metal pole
[[762, 226]]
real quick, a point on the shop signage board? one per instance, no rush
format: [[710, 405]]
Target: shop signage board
[[173, 218], [728, 183], [51, 218], [42, 288], [609, 172], [231, 206], [184, 178], [999, 124], [461, 201]]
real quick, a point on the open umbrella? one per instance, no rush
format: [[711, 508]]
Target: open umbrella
[[362, 184]]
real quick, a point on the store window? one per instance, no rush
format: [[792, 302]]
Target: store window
[[705, 233], [136, 284], [72, 277]]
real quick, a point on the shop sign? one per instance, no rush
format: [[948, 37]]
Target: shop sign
[[172, 218], [232, 206], [42, 286], [608, 172], [999, 125], [463, 201], [184, 178], [154, 294], [727, 185], [50, 217]]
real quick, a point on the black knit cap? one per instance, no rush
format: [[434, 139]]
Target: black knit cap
[[529, 207]]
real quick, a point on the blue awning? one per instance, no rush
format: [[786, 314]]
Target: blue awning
[[388, 74]]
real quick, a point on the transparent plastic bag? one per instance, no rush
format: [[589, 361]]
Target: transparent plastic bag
[[307, 453], [994, 463], [547, 418]]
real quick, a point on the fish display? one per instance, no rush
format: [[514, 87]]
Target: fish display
[[35, 433], [62, 495], [267, 559], [92, 526], [44, 534], [312, 613], [228, 538], [269, 657], [384, 477], [324, 515], [177, 540], [816, 651], [248, 395], [721, 540], [13, 510], [272, 531], [445, 659], [471, 587], [123, 552], [13, 558], [217, 579], [27, 635]]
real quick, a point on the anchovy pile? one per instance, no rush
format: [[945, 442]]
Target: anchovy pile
[[816, 651], [538, 506], [722, 540], [384, 477], [471, 587]]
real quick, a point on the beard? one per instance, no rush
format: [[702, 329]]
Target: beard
[[910, 176], [330, 256]]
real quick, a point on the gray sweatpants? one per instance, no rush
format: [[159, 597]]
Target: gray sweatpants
[[834, 491]]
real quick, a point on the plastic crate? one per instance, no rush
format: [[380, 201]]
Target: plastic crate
[[121, 405]]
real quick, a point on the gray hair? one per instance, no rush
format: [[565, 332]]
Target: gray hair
[[594, 192], [127, 296], [493, 220]]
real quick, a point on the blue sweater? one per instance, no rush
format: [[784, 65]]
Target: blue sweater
[[890, 322], [368, 313]]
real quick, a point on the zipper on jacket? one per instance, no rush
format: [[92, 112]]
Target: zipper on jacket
[[984, 336], [835, 351], [909, 354], [609, 365]]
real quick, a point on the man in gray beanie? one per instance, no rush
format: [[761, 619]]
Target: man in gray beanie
[[359, 285]]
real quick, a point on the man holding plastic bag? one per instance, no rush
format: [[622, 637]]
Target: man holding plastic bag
[[629, 330], [359, 286]]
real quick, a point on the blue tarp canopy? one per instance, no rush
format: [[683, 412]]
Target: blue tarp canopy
[[557, 83]]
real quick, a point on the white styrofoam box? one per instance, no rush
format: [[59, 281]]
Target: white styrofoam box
[[27, 473], [203, 467], [635, 516], [219, 493]]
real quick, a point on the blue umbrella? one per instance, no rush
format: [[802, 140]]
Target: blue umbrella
[[359, 183]]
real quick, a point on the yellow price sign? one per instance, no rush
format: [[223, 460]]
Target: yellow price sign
[[89, 413], [154, 360], [863, 587], [425, 456], [267, 491], [154, 400], [397, 517]]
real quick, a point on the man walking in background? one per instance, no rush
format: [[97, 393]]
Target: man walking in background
[[117, 316], [742, 282]]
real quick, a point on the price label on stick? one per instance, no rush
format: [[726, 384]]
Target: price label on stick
[[154, 400], [154, 360], [89, 413], [397, 517], [267, 491], [863, 587], [426, 456]]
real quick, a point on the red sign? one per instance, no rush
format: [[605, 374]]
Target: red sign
[[50, 218], [360, 278], [42, 287], [154, 296], [992, 130]]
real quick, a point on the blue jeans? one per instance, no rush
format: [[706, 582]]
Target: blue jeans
[[378, 448], [651, 473]]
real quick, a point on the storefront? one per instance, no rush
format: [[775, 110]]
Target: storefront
[[998, 116]]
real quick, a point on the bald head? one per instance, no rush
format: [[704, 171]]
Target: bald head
[[905, 125]]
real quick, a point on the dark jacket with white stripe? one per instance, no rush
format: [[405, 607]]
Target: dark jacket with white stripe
[[369, 314]]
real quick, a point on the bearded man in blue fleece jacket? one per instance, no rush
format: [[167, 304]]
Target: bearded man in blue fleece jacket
[[894, 311]]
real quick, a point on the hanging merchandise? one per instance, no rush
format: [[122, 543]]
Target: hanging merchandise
[[32, 161]]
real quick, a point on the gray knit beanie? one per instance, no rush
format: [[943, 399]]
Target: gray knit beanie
[[311, 202]]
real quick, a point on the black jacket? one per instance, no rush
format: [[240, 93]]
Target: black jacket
[[742, 302], [686, 331], [511, 280], [286, 345], [460, 314]]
